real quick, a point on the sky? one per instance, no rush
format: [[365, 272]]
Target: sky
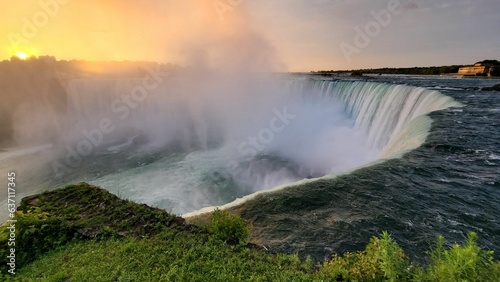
[[284, 35]]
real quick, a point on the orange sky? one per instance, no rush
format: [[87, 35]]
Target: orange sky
[[96, 30], [168, 31], [294, 35]]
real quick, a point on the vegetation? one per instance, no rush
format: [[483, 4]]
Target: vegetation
[[435, 70], [230, 229], [357, 73], [384, 260], [413, 70], [490, 62], [81, 212], [83, 233]]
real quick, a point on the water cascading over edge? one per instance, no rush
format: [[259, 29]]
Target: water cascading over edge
[[394, 117], [378, 117]]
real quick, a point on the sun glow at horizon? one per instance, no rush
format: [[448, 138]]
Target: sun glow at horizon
[[21, 55]]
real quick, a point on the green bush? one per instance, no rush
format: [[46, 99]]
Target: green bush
[[231, 229], [36, 233], [383, 260], [462, 263]]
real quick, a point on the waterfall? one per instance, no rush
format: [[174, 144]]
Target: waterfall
[[174, 111], [230, 138], [393, 116]]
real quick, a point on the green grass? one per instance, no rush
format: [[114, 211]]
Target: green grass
[[63, 235], [81, 212], [174, 257]]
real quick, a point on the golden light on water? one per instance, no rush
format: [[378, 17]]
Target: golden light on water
[[22, 55]]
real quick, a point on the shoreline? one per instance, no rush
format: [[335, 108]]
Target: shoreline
[[82, 232]]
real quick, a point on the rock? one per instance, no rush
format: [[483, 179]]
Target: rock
[[34, 202], [495, 87]]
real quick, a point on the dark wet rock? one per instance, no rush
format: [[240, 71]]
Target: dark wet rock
[[495, 87]]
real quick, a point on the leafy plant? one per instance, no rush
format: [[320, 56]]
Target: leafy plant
[[231, 229], [392, 260], [383, 260], [36, 233], [462, 263]]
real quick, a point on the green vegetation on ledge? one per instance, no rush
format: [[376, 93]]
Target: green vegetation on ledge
[[83, 233]]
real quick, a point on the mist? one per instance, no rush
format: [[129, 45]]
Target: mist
[[222, 123], [238, 133]]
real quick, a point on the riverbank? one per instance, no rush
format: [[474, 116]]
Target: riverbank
[[84, 233]]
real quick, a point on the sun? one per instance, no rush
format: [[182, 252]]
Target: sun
[[22, 55]]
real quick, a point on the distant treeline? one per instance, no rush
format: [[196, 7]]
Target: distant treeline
[[435, 70], [413, 70]]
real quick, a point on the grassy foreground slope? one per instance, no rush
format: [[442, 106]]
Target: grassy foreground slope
[[83, 233]]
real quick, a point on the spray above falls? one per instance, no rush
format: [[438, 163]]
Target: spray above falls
[[215, 142]]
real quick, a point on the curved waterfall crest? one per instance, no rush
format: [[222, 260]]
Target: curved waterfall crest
[[382, 110]]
